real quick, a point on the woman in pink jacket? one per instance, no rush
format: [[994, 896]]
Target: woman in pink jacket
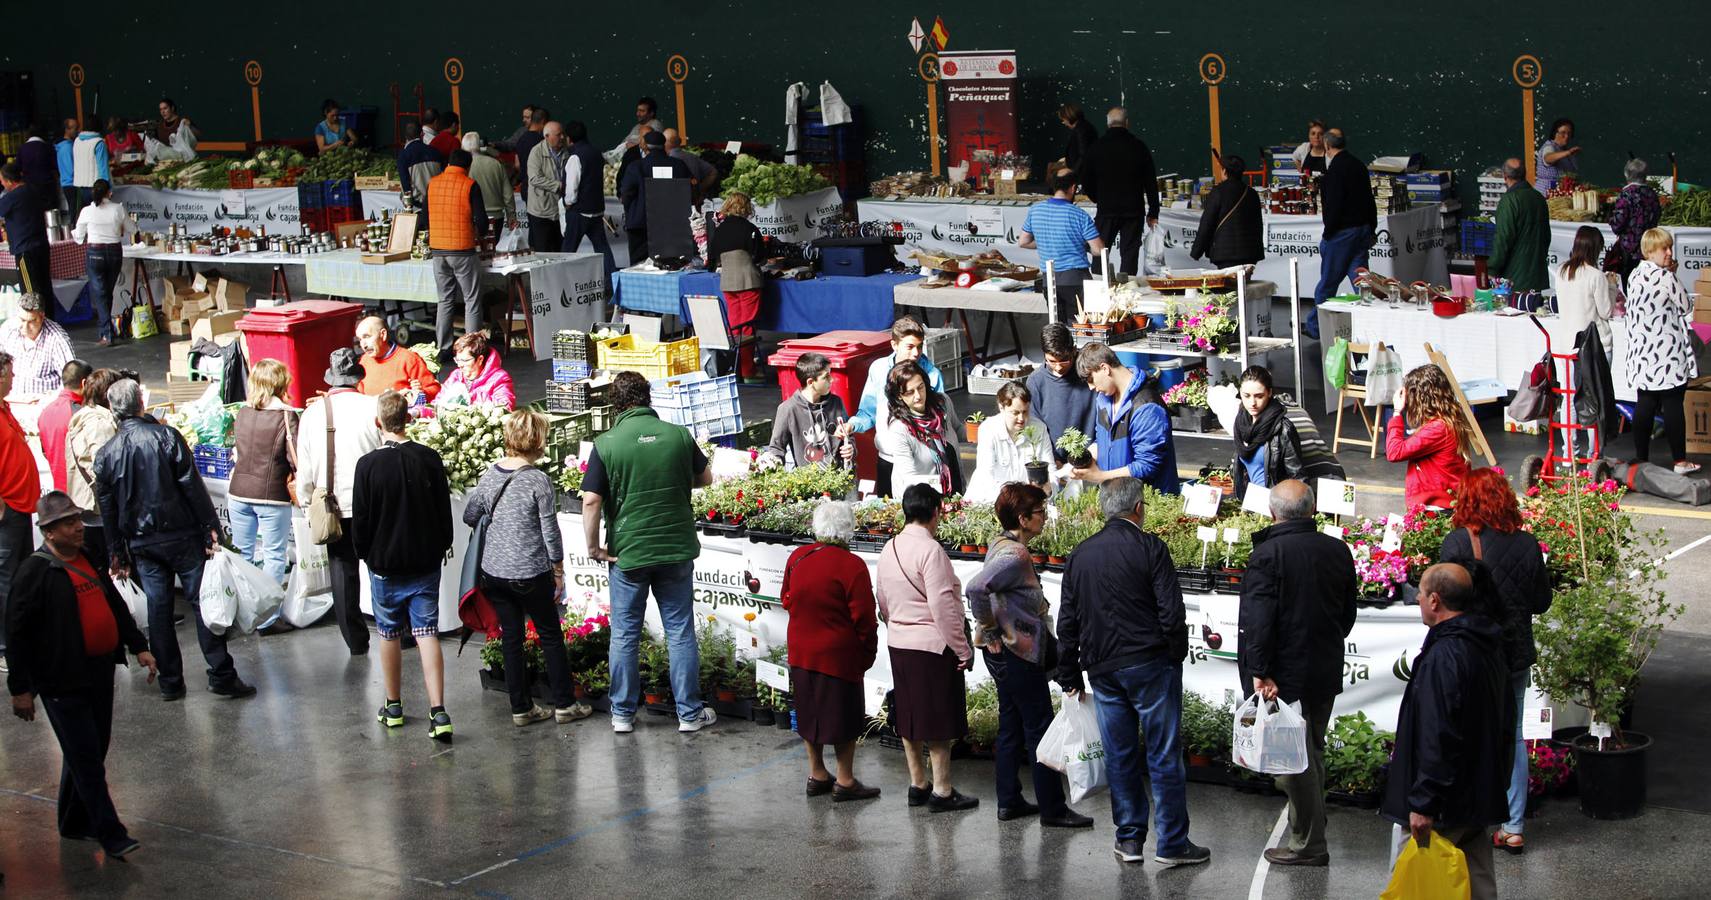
[[926, 635], [478, 380]]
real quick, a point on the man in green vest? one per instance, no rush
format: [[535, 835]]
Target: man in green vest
[[639, 477], [1523, 243]]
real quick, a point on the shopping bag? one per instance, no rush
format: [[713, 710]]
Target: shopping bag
[[308, 593], [1438, 871], [1536, 398], [1337, 363], [219, 597], [1153, 248], [1270, 737], [142, 322], [1383, 375], [258, 596], [135, 600], [1072, 745], [511, 240]]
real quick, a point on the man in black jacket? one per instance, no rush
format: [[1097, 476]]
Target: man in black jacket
[[1454, 732], [1119, 175], [1298, 604], [160, 522], [1122, 621], [69, 629], [1351, 222], [401, 525]]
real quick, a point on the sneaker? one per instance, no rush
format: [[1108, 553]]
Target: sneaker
[[392, 714], [440, 726], [171, 695], [1190, 855], [918, 795], [1686, 468], [564, 715], [237, 690], [533, 714], [701, 720], [623, 726], [1130, 852], [124, 847]]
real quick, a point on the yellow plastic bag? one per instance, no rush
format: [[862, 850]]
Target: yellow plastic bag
[[1436, 872]]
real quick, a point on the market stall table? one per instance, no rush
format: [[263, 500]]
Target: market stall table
[[66, 260], [827, 303], [962, 300]]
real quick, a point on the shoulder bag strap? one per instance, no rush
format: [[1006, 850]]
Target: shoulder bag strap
[[327, 413], [487, 517], [792, 565], [912, 583], [1239, 201]]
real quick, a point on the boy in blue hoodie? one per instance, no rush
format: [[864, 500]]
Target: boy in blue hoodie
[[1133, 426]]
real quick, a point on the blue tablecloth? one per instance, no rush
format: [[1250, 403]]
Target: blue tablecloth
[[827, 303]]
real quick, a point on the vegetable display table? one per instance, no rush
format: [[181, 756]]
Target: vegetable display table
[[827, 303]]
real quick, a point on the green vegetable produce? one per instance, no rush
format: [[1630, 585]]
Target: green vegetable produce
[[1688, 209], [766, 182]]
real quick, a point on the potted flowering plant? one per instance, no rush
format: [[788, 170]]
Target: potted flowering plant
[[1190, 410], [1380, 571], [1206, 324], [971, 426]]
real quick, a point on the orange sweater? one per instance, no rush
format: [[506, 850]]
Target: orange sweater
[[395, 372]]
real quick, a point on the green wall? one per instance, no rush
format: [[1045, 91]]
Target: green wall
[[1426, 77]]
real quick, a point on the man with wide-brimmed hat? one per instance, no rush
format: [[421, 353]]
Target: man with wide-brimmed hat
[[70, 628], [161, 525], [353, 434]]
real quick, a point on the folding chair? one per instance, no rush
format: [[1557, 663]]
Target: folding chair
[[1357, 392], [707, 319]]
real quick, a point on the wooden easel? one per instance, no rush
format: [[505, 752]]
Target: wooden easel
[[1480, 445]]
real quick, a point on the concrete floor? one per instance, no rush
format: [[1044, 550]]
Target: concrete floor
[[298, 792]]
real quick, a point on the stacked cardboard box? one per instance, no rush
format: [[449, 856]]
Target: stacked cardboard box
[[187, 299], [1702, 298]]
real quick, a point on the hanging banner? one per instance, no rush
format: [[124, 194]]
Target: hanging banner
[[200, 211], [980, 107]]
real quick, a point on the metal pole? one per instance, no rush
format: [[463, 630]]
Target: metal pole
[[1242, 313], [1051, 295], [1295, 328]]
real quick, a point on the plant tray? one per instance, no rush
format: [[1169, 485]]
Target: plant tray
[[1217, 773], [770, 537], [1197, 581], [1110, 329], [1356, 799], [1221, 282], [721, 529], [1193, 419]]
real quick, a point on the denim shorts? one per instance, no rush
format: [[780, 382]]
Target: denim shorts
[[396, 596]]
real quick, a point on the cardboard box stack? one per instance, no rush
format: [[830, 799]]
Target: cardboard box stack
[[187, 299], [1702, 298]]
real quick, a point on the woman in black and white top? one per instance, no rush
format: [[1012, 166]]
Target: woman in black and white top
[[522, 565], [103, 227], [1660, 354]]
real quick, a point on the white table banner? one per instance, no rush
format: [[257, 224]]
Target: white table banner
[[199, 211], [568, 295]]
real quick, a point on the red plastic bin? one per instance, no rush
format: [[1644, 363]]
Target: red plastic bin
[[851, 353], [301, 335]]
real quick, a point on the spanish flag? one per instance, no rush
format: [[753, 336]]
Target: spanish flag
[[941, 34]]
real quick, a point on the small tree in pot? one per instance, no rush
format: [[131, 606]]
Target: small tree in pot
[[1075, 447]]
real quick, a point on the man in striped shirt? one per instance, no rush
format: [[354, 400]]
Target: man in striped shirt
[[39, 348], [1064, 234]]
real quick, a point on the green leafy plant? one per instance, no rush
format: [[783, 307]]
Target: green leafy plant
[[1073, 443], [1356, 754], [595, 680], [654, 663], [1032, 437], [718, 652], [983, 715], [765, 182], [975, 418], [1206, 729]]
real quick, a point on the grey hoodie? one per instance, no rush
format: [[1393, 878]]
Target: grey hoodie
[[806, 430]]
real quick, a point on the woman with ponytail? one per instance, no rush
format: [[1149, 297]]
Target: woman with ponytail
[[103, 227]]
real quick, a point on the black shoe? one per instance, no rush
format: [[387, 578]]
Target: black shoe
[[956, 802], [123, 847], [1190, 855], [856, 791], [919, 796], [1069, 818], [1130, 852], [171, 694], [237, 690], [1019, 811], [1283, 856], [818, 788]]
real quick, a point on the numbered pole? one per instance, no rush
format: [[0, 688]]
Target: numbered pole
[[454, 77], [1528, 72], [928, 67], [252, 74], [677, 69], [76, 76], [1212, 71]]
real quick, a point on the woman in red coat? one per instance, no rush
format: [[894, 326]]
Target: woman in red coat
[[833, 637], [1437, 442]]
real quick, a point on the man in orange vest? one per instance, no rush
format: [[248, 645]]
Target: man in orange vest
[[456, 219]]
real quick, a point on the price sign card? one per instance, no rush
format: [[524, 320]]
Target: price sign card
[[1206, 533], [1201, 500], [1536, 723], [1258, 500], [986, 222], [772, 675], [1336, 498]]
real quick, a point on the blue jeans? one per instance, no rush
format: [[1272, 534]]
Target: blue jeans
[[260, 531], [1145, 697], [156, 565], [672, 586], [1519, 771], [1024, 714], [1339, 256]]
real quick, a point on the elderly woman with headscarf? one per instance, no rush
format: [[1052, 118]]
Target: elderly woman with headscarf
[[833, 638]]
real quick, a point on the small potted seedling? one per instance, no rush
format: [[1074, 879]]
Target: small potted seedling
[[1076, 447], [971, 426]]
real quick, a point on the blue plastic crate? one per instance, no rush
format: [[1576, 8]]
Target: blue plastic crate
[[1478, 238], [310, 195], [568, 370], [213, 462], [341, 194]]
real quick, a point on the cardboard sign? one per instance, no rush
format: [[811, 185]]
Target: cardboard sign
[[986, 222], [1536, 723], [864, 487], [233, 201], [1232, 535], [1258, 500], [873, 695], [1599, 730], [1336, 531], [772, 675], [1206, 534], [728, 463], [1336, 498], [662, 171], [1201, 500]]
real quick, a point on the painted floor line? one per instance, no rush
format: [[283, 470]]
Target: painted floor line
[[239, 842], [632, 815], [1256, 888], [1683, 550]]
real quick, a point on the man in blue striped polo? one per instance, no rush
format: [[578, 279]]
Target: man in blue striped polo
[[1064, 234]]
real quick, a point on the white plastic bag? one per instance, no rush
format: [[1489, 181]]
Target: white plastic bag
[[259, 597], [135, 600], [511, 240], [1072, 745], [1383, 376], [1270, 737], [1152, 247], [219, 598], [308, 592]]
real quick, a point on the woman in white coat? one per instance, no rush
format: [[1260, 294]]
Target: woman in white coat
[[1007, 443], [919, 436]]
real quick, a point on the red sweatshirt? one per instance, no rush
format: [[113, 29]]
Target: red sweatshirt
[[1435, 463], [833, 627]]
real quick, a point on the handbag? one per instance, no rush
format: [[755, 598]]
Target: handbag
[[474, 610], [325, 526], [1536, 398]]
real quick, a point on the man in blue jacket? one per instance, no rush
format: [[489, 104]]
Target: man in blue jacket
[[1133, 426]]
